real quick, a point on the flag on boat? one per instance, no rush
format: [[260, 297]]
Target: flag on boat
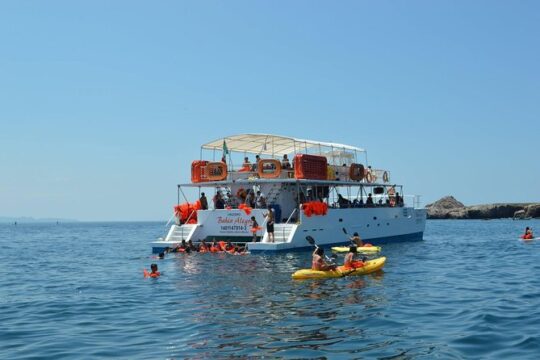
[[225, 149]]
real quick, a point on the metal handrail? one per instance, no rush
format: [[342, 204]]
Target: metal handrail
[[187, 222], [168, 222], [290, 216]]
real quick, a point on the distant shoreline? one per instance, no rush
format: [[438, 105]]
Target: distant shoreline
[[31, 220], [449, 208]]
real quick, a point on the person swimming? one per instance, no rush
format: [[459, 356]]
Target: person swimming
[[230, 248], [154, 273], [182, 248], [528, 235], [190, 246], [203, 247], [215, 247]]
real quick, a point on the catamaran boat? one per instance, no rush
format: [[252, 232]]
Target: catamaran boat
[[319, 189]]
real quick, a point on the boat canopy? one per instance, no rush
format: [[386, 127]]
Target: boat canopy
[[276, 145]]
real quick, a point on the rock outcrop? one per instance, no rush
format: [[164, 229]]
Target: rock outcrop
[[449, 208]]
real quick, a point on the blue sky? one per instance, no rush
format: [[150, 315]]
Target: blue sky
[[104, 104]]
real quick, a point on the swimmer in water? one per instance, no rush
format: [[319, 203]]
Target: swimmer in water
[[154, 273]]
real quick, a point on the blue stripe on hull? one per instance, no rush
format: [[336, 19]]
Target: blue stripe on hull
[[377, 241], [156, 250]]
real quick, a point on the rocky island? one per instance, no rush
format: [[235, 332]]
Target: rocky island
[[449, 208]]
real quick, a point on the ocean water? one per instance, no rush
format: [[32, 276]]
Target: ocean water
[[470, 290]]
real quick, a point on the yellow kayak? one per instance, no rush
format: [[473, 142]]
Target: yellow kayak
[[369, 267], [361, 249]]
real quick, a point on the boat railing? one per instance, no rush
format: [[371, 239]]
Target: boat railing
[[170, 219], [187, 222], [239, 174], [290, 216], [334, 172]]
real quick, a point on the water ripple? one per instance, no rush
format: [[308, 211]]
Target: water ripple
[[76, 290]]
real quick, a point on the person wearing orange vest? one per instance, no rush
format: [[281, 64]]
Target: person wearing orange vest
[[203, 247], [350, 262], [182, 248], [230, 248], [154, 271], [214, 247], [528, 234]]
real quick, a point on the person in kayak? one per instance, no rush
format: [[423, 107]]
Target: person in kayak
[[350, 262], [318, 262], [154, 273], [357, 240]]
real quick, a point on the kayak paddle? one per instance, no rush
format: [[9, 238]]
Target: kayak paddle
[[311, 240]]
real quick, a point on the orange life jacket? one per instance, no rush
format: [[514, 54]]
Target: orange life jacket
[[222, 245], [355, 264], [151, 274]]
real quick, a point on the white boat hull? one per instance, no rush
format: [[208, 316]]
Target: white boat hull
[[376, 225]]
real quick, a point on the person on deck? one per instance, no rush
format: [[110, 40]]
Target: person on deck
[[269, 218], [250, 199], [343, 203], [255, 167], [318, 262], [204, 202], [260, 201], [369, 201], [399, 199], [254, 228], [246, 166], [285, 164], [350, 262], [219, 203]]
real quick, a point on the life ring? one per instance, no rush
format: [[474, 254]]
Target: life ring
[[356, 172], [385, 176], [216, 171], [369, 177], [269, 164]]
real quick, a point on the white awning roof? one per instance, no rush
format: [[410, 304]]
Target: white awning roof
[[275, 145]]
